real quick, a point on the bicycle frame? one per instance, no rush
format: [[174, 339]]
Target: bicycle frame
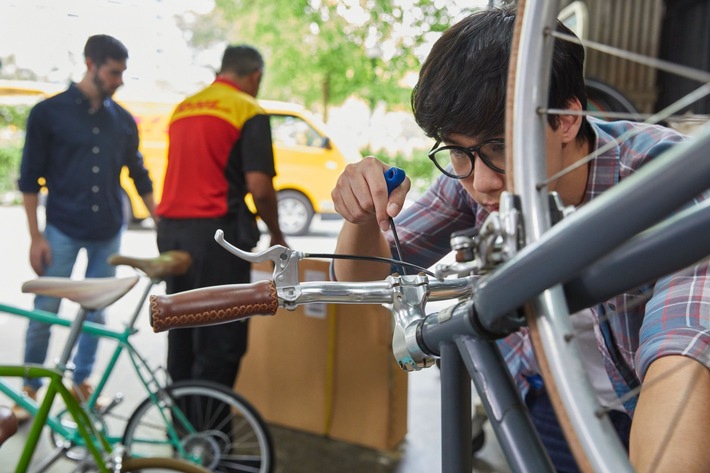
[[147, 376], [632, 206], [463, 334], [84, 432]]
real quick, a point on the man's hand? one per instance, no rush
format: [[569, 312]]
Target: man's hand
[[360, 195], [278, 241], [40, 254]]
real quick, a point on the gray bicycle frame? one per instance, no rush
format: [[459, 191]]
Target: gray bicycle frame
[[597, 252], [463, 335], [612, 262], [581, 261], [553, 257]]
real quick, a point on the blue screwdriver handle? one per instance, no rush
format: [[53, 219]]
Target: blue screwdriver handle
[[394, 177]]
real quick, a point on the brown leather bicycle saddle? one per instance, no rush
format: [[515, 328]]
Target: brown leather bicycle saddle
[[168, 263], [8, 423]]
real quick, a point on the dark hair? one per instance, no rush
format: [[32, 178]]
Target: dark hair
[[462, 84], [242, 60], [101, 47]]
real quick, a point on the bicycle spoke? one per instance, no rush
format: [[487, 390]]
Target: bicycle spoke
[[217, 429], [549, 325]]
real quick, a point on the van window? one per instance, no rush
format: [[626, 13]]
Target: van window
[[289, 130]]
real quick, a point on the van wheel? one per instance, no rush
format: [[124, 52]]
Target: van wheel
[[605, 98], [295, 213], [126, 209]]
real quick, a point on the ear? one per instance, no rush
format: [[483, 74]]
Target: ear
[[256, 76], [570, 124], [89, 64]]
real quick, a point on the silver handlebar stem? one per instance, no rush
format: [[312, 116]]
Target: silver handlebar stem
[[405, 296]]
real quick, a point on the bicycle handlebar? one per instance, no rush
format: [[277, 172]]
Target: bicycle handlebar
[[212, 305], [222, 304]]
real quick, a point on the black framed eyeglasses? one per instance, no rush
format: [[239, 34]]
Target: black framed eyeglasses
[[461, 159]]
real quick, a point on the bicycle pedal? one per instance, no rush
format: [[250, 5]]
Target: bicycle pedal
[[117, 399]]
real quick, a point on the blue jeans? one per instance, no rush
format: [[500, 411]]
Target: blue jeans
[[64, 253], [545, 420]]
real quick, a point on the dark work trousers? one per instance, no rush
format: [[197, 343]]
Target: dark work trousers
[[210, 353], [553, 438]]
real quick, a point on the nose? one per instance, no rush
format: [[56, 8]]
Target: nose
[[486, 180]]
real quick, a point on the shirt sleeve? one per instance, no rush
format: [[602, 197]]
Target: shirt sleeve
[[35, 154], [134, 159], [255, 145], [677, 320]]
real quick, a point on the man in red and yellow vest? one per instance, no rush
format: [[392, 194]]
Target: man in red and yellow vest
[[220, 149]]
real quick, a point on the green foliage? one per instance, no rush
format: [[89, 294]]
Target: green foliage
[[14, 115], [13, 119], [10, 156], [322, 52], [418, 167]]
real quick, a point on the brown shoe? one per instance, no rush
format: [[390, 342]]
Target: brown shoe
[[21, 414], [83, 391]]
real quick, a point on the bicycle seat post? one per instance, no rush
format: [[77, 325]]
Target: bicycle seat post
[[74, 332], [144, 295]]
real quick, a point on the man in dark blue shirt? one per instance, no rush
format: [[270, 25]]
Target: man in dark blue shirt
[[78, 141]]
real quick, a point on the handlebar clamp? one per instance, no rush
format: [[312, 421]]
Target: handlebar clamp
[[408, 301]]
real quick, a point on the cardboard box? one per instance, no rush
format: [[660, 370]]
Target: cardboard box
[[327, 370]]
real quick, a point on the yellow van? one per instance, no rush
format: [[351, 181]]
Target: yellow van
[[308, 161]]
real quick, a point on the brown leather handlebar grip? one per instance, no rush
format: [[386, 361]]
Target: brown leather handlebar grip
[[212, 305]]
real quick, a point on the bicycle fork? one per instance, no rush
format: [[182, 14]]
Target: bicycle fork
[[467, 354]]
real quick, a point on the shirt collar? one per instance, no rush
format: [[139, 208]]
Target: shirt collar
[[604, 168], [228, 82], [80, 99]]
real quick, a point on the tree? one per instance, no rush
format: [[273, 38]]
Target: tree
[[324, 51]]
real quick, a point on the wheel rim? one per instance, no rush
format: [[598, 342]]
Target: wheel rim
[[294, 216], [591, 439], [565, 374], [75, 452], [159, 465], [217, 416]]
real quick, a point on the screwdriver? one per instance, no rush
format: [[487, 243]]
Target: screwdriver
[[394, 177]]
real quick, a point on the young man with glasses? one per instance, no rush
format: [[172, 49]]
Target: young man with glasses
[[459, 102]]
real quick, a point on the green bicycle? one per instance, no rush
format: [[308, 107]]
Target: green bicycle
[[200, 422]]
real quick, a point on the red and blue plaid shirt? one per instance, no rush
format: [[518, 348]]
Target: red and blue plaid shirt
[[632, 329]]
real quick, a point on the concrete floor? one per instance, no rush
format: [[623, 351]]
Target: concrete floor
[[300, 452]]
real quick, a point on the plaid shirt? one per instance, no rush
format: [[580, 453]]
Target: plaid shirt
[[632, 329]]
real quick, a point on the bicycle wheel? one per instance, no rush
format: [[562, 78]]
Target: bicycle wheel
[[74, 452], [147, 465], [587, 429], [212, 426], [157, 465]]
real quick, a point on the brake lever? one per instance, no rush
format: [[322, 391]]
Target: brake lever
[[285, 260]]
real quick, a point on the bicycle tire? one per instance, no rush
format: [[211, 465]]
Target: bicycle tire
[[158, 464], [548, 316], [74, 452], [591, 438], [250, 447]]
